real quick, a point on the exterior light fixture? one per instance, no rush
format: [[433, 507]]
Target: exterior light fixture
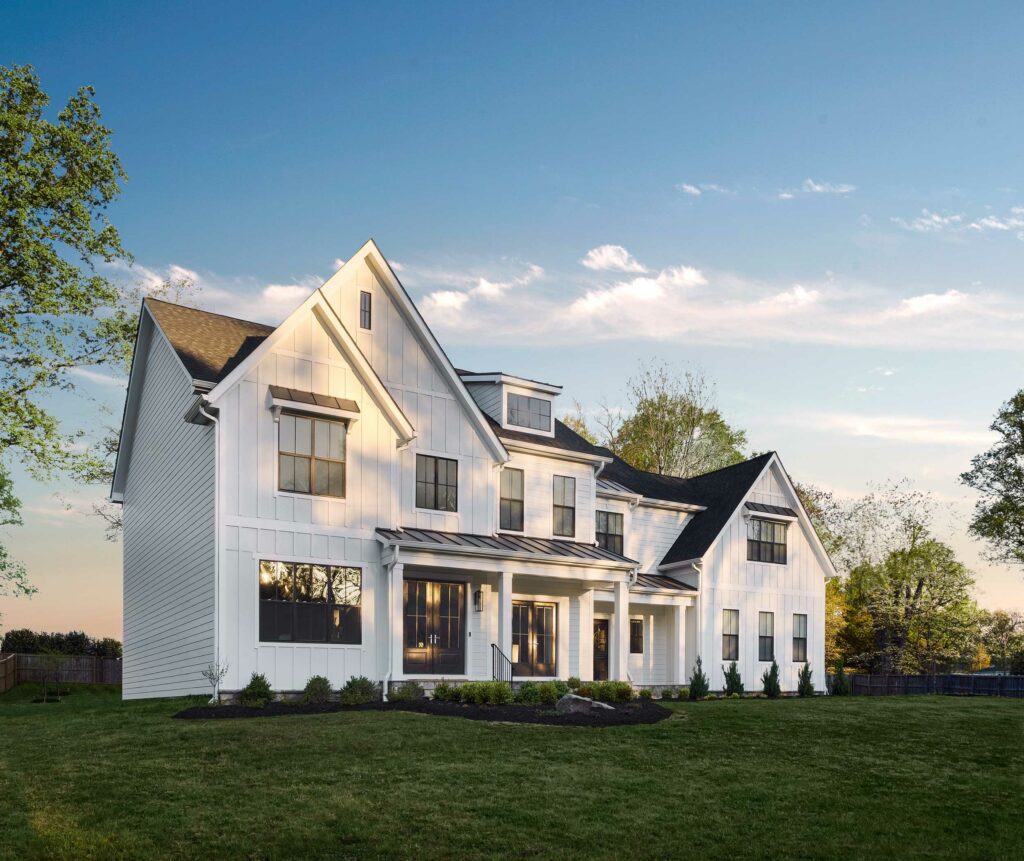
[[478, 600]]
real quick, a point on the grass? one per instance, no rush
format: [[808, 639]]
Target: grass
[[857, 777]]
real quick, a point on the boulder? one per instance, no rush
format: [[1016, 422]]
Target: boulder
[[573, 704]]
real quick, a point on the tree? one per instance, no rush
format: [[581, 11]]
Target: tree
[[733, 682], [804, 685], [770, 681], [577, 421], [998, 475], [1003, 636], [698, 685], [57, 177], [672, 426], [827, 514], [835, 619]]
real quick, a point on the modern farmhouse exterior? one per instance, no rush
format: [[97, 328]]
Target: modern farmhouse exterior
[[333, 497]]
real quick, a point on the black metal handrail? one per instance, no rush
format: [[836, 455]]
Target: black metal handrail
[[501, 666]]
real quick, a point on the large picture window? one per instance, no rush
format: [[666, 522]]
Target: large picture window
[[510, 514], [311, 455], [564, 508], [730, 635], [608, 531], [310, 603], [526, 412], [766, 636], [799, 637], [766, 541], [437, 483]]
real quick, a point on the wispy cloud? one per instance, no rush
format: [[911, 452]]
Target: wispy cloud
[[489, 289], [98, 377], [930, 222], [812, 187], [958, 223], [911, 429], [612, 257], [696, 190], [929, 303]]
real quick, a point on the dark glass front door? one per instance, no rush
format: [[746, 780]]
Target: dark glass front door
[[534, 639], [434, 635], [600, 649]]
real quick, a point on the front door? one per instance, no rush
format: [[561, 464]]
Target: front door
[[600, 649], [534, 638], [434, 627]]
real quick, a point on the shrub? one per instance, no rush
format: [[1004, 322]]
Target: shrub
[[527, 692], [573, 683], [317, 690], [486, 693], [257, 693], [668, 693], [699, 687], [770, 681], [733, 682], [447, 693], [684, 693], [735, 696], [562, 688], [612, 692], [1017, 663], [549, 693], [804, 685], [645, 694], [840, 683], [359, 689], [406, 691]]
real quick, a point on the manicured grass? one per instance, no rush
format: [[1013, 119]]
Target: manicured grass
[[854, 777]]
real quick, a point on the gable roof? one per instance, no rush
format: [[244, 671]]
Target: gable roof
[[209, 345]]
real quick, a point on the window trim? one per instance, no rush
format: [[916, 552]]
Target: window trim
[[633, 624], [311, 494], [621, 535], [802, 639], [761, 616], [555, 506], [730, 655], [367, 311], [521, 501], [305, 644], [775, 545], [458, 481]]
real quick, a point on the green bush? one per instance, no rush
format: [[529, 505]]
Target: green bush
[[684, 693], [562, 688], [612, 692], [735, 696], [699, 687], [486, 693], [586, 689], [548, 693], [668, 693], [406, 691], [804, 685], [358, 690], [447, 693], [527, 692], [574, 683], [733, 683], [317, 690], [770, 681], [645, 694], [840, 683], [257, 693]]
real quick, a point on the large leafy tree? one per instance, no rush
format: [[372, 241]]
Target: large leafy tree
[[998, 475], [57, 312]]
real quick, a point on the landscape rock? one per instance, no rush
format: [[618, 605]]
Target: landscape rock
[[573, 704]]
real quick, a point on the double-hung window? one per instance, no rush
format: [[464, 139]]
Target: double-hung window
[[310, 603], [766, 541], [730, 635], [437, 483], [799, 637], [510, 504], [311, 455], [609, 531], [365, 307], [766, 636], [526, 412], [636, 636], [564, 506]]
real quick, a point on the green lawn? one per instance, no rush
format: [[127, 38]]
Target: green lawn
[[860, 777]]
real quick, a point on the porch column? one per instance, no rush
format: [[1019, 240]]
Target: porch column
[[677, 645], [586, 644], [505, 613], [620, 653], [396, 620]]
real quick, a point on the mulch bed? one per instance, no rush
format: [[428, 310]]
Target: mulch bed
[[624, 714]]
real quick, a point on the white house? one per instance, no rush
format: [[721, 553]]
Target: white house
[[333, 497]]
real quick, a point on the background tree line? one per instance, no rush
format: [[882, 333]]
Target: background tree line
[[26, 642]]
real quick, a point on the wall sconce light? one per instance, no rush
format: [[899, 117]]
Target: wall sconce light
[[478, 600]]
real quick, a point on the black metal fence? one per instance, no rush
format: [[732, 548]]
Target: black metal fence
[[961, 684]]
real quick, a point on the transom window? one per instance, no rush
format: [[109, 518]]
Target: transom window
[[510, 505], [311, 455], [564, 508], [636, 636], [765, 636], [609, 531], [526, 412], [730, 635], [799, 637], [437, 483], [365, 305], [310, 603], [766, 541]]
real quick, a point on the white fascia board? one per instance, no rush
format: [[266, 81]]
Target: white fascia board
[[509, 380], [675, 566], [649, 502], [624, 495], [553, 452]]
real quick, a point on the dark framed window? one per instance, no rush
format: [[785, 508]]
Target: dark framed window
[[526, 412], [730, 635], [799, 637], [365, 305], [564, 506], [609, 531], [510, 504], [766, 541], [437, 483], [765, 636], [310, 603], [311, 455], [636, 636]]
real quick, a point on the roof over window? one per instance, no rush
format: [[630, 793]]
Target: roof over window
[[763, 508], [313, 399]]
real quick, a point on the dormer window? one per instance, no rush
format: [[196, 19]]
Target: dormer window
[[527, 412]]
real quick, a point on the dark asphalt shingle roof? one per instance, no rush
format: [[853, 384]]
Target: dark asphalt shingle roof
[[565, 438]]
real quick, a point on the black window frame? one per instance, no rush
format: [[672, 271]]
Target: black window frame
[[636, 636], [763, 544], [320, 598], [730, 638], [365, 310], [512, 509], [800, 643], [559, 510], [289, 459], [429, 489], [607, 538], [765, 642], [530, 414]]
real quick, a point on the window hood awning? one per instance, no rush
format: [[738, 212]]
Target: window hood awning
[[282, 397]]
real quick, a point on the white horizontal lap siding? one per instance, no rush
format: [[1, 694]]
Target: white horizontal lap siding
[[538, 494], [168, 538]]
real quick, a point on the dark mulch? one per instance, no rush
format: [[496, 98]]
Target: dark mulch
[[624, 714]]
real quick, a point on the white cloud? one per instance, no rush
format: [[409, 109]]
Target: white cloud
[[911, 429], [701, 188], [449, 302], [612, 257], [929, 303], [934, 222], [786, 195], [930, 222], [812, 187], [98, 377], [885, 372], [339, 262], [686, 188], [797, 296]]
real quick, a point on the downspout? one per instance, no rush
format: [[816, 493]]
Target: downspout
[[391, 622], [700, 602], [216, 545]]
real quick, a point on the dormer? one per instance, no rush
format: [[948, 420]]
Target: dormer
[[516, 403]]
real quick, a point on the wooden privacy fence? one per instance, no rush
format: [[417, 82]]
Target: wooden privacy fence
[[949, 683], [69, 669]]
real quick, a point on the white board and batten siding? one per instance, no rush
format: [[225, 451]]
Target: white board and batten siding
[[168, 538], [731, 582], [538, 494]]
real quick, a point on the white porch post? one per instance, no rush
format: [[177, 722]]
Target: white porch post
[[586, 644], [678, 644], [396, 619], [505, 613], [620, 656]]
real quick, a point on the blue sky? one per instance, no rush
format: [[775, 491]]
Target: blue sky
[[820, 207]]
